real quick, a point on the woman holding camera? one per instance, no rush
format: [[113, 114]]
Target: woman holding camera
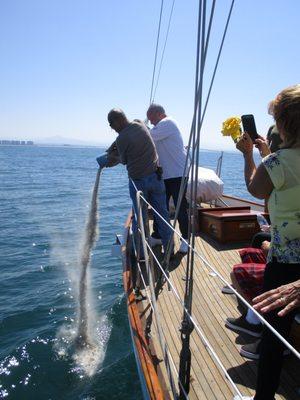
[[277, 179]]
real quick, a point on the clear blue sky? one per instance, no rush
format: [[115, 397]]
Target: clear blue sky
[[66, 63]]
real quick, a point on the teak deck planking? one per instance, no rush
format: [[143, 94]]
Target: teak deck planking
[[210, 309]]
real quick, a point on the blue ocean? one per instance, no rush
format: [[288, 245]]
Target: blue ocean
[[45, 198]]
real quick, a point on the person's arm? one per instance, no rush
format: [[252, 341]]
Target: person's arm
[[122, 150], [113, 157], [287, 296], [162, 131], [257, 180]]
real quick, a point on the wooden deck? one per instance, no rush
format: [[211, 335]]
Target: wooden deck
[[210, 309]]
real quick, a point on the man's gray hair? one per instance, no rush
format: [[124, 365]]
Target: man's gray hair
[[156, 108]]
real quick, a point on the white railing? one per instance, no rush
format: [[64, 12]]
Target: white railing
[[150, 255]]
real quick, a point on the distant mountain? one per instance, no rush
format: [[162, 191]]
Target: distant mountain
[[60, 141]]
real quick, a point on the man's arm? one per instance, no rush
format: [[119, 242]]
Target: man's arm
[[122, 150], [113, 157]]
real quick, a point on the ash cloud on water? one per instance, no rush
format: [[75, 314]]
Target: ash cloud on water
[[91, 235], [85, 339]]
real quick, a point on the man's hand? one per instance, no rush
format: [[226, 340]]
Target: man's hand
[[286, 296], [102, 161]]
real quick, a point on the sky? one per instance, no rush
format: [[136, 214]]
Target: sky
[[66, 63]]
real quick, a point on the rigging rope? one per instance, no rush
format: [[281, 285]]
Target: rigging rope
[[187, 326], [163, 52], [187, 166], [150, 272], [156, 49], [188, 322], [153, 310], [203, 338], [205, 341], [210, 267], [153, 90]]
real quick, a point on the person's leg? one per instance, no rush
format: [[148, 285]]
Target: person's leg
[[132, 193], [155, 234], [252, 255], [173, 189], [238, 288], [140, 185], [271, 352], [157, 198], [248, 278]]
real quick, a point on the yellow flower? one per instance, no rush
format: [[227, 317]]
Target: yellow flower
[[232, 127]]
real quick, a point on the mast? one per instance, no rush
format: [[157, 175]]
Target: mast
[[200, 107], [186, 324]]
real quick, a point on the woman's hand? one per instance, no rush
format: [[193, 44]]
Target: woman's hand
[[245, 144], [262, 145], [286, 297]]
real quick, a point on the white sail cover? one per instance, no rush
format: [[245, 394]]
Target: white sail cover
[[209, 186]]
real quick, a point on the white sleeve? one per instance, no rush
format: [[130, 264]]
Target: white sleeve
[[161, 131]]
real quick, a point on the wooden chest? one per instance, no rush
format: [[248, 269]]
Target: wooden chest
[[229, 224]]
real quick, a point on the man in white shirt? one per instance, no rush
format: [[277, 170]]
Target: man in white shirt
[[172, 155]]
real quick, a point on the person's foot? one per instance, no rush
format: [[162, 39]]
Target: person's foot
[[155, 241], [227, 290], [184, 248], [242, 325], [251, 350]]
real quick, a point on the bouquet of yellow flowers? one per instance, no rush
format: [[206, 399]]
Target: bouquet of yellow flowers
[[232, 127]]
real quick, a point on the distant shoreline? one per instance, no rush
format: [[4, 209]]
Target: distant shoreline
[[100, 146], [7, 142]]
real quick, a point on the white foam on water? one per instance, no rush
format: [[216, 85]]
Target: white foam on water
[[87, 359]]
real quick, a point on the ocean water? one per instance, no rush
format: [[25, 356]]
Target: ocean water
[[44, 202]]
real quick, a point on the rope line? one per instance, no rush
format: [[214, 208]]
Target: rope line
[[196, 324], [161, 337], [193, 154], [152, 307], [163, 52], [187, 166], [156, 49], [207, 264]]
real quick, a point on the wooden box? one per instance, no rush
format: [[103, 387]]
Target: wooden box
[[229, 224]]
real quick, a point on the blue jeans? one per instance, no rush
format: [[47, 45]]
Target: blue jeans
[[154, 192]]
